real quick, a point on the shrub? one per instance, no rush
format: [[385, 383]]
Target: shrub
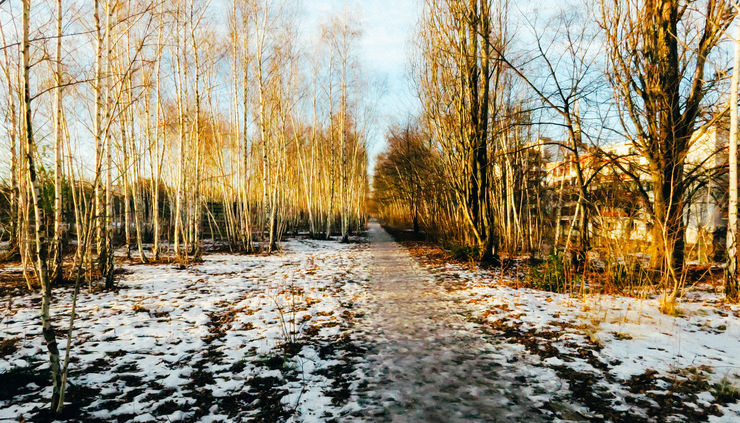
[[625, 276], [552, 275], [464, 252], [725, 392]]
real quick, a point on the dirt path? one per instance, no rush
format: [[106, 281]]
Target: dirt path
[[427, 363]]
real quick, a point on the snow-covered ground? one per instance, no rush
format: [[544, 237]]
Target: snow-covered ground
[[228, 339], [609, 357], [326, 331]]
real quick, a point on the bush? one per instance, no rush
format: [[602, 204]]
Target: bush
[[625, 276], [464, 252], [725, 392], [552, 275]]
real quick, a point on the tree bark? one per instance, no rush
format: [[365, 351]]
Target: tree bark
[[57, 274], [42, 273], [732, 288]]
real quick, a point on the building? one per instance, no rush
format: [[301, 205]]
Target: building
[[620, 213]]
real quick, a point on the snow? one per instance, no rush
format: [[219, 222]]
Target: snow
[[631, 330], [362, 332], [627, 336], [161, 330]]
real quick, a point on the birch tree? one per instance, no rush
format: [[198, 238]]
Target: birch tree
[[57, 274], [39, 241], [14, 214], [731, 286]]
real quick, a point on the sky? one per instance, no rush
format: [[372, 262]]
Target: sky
[[387, 28]]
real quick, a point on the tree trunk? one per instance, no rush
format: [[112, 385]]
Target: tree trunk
[[58, 253], [15, 210], [47, 329], [98, 133], [181, 149], [732, 288], [157, 160], [196, 193]]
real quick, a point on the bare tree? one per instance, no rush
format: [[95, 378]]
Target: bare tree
[[15, 213], [560, 71], [455, 81], [731, 286], [658, 54], [57, 274], [41, 247]]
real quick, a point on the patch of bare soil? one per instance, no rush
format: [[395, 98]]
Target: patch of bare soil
[[12, 283]]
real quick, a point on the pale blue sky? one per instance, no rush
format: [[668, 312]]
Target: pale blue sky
[[387, 27]]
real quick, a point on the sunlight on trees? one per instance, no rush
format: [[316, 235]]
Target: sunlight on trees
[[162, 140], [593, 133], [593, 144]]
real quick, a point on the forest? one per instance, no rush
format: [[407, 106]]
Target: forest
[[208, 211]]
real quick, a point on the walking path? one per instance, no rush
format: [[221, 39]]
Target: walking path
[[427, 364]]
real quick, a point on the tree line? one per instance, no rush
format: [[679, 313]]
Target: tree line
[[505, 93]]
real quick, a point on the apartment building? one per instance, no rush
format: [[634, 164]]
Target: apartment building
[[621, 214]]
